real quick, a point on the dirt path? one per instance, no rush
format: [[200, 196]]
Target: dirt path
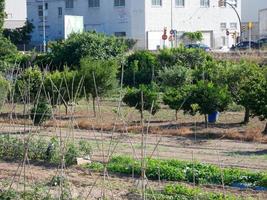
[[228, 153]]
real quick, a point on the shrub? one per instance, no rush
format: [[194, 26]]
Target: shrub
[[42, 150], [140, 68], [41, 112], [87, 44], [4, 88]]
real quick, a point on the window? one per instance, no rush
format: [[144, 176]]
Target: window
[[205, 3], [40, 11], [233, 25], [69, 3], [179, 3], [59, 11], [223, 25], [120, 34], [46, 6], [156, 2], [119, 3], [94, 3]]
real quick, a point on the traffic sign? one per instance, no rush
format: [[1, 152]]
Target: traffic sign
[[227, 32], [171, 38], [172, 32], [250, 25], [164, 37]]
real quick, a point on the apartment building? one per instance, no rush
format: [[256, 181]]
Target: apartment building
[[251, 13], [143, 20], [15, 13]]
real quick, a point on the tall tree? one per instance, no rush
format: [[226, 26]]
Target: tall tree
[[99, 77], [2, 14]]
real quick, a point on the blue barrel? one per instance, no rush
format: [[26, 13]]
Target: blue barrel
[[213, 117]]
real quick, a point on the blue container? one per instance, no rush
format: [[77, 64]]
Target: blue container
[[213, 117]]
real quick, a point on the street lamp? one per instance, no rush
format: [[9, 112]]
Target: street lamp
[[223, 3]]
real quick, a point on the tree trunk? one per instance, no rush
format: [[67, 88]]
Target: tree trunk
[[142, 117], [176, 115], [265, 130], [66, 108], [247, 115], [206, 121], [94, 107]]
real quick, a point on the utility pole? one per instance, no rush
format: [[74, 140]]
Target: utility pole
[[44, 31], [223, 3]]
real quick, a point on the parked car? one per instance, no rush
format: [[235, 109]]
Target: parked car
[[262, 42], [244, 45], [198, 46]]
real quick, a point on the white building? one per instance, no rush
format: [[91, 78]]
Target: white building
[[143, 20], [15, 13], [263, 23], [250, 13]]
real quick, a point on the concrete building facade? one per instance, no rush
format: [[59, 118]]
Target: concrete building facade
[[143, 20], [16, 13]]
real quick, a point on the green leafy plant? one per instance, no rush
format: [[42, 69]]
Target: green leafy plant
[[175, 170], [99, 77], [133, 98], [41, 112]]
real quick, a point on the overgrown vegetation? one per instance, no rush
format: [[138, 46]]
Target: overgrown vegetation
[[40, 149]]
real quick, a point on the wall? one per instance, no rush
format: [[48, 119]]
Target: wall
[[16, 13], [192, 18]]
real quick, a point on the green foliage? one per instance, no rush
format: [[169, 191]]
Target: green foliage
[[28, 85], [41, 112], [4, 89], [181, 192], [175, 76], [175, 170], [140, 68], [87, 44], [175, 98], [208, 97], [245, 82], [63, 87], [99, 76], [8, 52], [187, 57], [12, 147], [150, 98], [194, 36], [20, 35], [2, 15]]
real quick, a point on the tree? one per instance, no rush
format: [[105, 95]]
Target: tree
[[175, 76], [4, 88], [209, 98], [140, 68], [87, 44], [175, 98], [194, 36], [143, 98], [20, 35], [187, 57], [2, 15], [243, 79], [28, 85], [41, 112], [99, 77], [63, 87], [258, 103]]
